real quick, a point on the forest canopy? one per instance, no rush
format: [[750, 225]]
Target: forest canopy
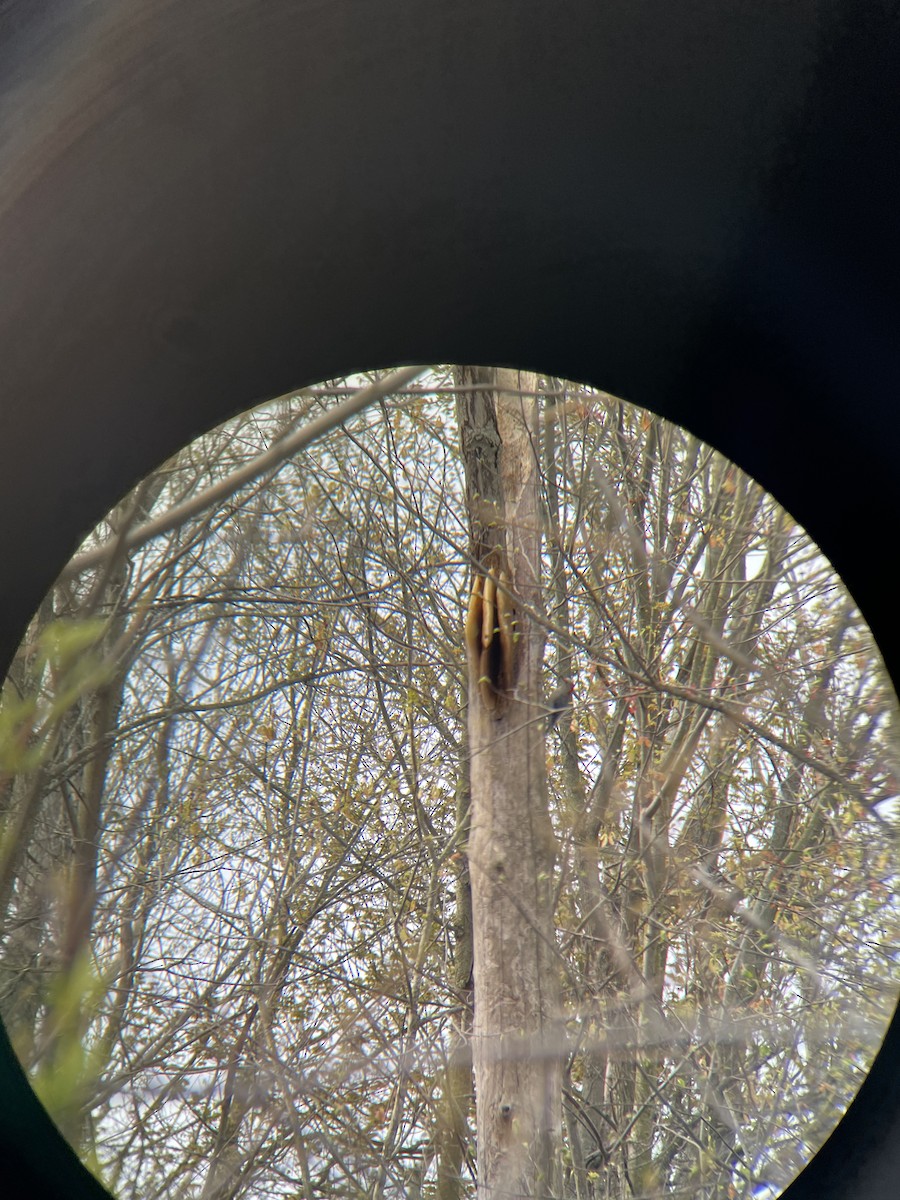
[[236, 952]]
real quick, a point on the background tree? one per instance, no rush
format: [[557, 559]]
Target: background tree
[[237, 939]]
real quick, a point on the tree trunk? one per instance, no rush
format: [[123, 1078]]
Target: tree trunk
[[453, 1115], [511, 849]]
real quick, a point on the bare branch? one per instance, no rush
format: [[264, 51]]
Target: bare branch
[[269, 460]]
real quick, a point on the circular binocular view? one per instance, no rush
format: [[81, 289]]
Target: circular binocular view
[[446, 782]]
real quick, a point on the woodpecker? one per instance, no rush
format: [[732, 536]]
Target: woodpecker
[[560, 702]]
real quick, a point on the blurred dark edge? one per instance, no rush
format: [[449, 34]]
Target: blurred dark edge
[[692, 205]]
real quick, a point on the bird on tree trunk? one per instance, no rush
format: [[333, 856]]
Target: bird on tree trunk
[[560, 702]]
